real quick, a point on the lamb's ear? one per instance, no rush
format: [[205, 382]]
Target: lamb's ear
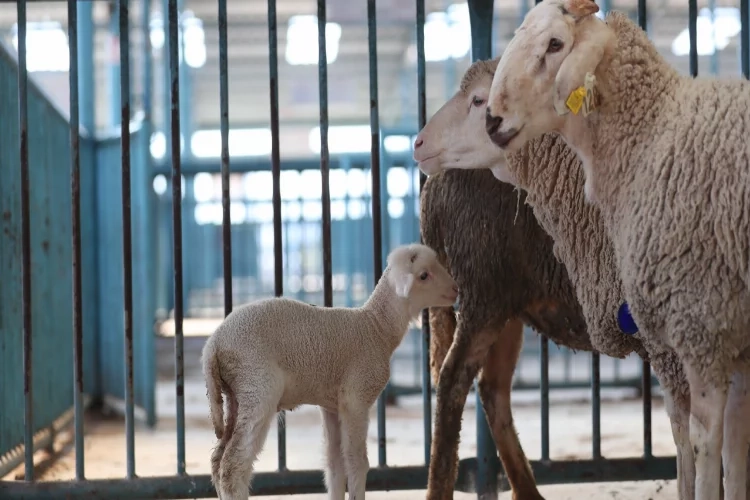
[[403, 283], [592, 40]]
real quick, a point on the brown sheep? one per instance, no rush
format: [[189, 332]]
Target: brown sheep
[[504, 265]]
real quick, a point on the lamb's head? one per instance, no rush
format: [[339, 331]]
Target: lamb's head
[[454, 137], [416, 275], [558, 43]]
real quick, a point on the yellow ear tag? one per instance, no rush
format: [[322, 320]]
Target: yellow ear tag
[[583, 97], [575, 100]]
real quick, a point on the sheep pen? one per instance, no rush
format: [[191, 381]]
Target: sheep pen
[[279, 353], [665, 162]]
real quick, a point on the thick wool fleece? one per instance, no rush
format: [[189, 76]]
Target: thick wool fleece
[[311, 350], [551, 174], [501, 259], [670, 171]]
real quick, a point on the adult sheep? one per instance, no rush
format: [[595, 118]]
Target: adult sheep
[[666, 162], [454, 139], [503, 264], [468, 220]]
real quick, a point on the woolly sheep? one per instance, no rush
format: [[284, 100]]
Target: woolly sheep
[[277, 354], [558, 205], [508, 275], [666, 162]]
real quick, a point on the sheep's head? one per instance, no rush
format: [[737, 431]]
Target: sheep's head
[[415, 274], [558, 43], [454, 137]]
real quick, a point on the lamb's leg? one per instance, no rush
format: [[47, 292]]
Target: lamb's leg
[[335, 471], [354, 422], [231, 416], [678, 409], [464, 358], [707, 402], [736, 437], [254, 418], [495, 383]]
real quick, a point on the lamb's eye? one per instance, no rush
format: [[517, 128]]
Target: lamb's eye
[[555, 45], [424, 276], [477, 101]]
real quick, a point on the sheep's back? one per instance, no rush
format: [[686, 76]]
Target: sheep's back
[[500, 257]]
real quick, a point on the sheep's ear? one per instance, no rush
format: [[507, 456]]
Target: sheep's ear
[[580, 8], [403, 283], [588, 50]]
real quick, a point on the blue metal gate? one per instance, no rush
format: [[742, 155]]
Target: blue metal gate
[[107, 227]]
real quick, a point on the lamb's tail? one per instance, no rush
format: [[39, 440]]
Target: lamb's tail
[[442, 319], [213, 388]]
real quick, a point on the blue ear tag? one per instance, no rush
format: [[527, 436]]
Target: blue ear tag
[[625, 320]]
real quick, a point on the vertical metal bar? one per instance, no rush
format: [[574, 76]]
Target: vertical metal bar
[[127, 247], [86, 90], [745, 38], [646, 367], [377, 224], [75, 189], [28, 391], [481, 14], [174, 73], [693, 34], [273, 66], [646, 384], [148, 67], [325, 198], [596, 409], [226, 223], [642, 15], [544, 388]]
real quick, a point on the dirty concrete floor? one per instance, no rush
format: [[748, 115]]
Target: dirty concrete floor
[[570, 431]]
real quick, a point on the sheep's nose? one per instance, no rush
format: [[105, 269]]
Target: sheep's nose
[[455, 288], [418, 142], [492, 123]]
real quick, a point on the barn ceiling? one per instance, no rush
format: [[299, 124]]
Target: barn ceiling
[[348, 76]]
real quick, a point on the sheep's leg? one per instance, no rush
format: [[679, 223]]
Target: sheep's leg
[[737, 437], [218, 453], [495, 384], [251, 428], [335, 471], [461, 365], [707, 402], [354, 422], [678, 409]]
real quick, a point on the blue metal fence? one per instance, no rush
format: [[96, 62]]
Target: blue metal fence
[[35, 257], [109, 248], [120, 210]]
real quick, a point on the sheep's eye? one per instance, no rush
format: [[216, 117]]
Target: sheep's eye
[[477, 101], [424, 276], [555, 45]]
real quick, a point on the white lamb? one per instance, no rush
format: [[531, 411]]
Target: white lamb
[[277, 354], [666, 160]]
